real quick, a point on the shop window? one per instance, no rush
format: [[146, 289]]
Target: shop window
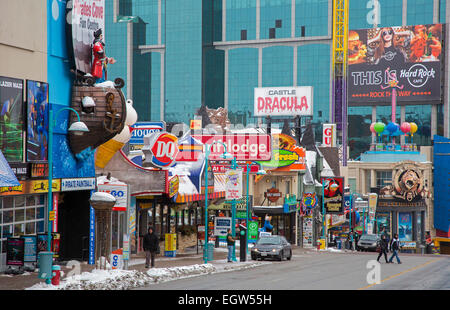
[[31, 201], [278, 23], [31, 214], [384, 178]]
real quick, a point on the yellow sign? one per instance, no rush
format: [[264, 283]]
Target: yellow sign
[[170, 242], [52, 215], [41, 186]]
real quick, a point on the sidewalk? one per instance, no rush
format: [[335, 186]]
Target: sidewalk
[[137, 263]]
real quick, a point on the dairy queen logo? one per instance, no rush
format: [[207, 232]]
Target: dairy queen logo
[[164, 149]]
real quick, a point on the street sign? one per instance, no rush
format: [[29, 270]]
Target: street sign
[[221, 226]]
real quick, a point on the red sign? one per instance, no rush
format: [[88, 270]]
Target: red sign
[[241, 146], [164, 147], [272, 194]]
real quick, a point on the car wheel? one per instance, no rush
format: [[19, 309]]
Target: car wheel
[[280, 257]]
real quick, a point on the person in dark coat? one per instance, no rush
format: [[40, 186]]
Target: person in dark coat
[[384, 246], [395, 247], [151, 247]]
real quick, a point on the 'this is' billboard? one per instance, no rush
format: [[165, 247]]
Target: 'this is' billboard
[[406, 58]]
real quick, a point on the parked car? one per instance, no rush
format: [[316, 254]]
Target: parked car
[[272, 247], [368, 242]]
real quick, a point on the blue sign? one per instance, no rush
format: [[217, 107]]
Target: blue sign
[[347, 203], [141, 129], [30, 249], [92, 235]]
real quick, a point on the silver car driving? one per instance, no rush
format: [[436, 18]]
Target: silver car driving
[[272, 247]]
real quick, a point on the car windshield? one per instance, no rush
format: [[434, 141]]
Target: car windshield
[[269, 240], [370, 237]]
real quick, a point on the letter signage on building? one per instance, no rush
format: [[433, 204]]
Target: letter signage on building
[[79, 184], [329, 135], [407, 59], [283, 101]]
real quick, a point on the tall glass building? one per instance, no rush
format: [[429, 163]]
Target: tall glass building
[[185, 53]]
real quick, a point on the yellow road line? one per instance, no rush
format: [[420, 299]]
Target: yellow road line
[[401, 273]]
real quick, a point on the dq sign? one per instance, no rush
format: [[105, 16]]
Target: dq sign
[[163, 147]]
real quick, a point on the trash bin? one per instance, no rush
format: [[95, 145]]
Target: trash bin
[[56, 275], [339, 243], [45, 265], [210, 253]]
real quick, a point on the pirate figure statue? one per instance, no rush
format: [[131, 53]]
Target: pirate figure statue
[[100, 60]]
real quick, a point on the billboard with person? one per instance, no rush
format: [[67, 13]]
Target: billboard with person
[[407, 58], [11, 118], [37, 116]]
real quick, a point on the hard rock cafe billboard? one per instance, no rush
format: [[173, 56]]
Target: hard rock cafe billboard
[[406, 58], [84, 17]]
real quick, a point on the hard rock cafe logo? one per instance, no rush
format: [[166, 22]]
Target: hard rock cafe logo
[[408, 184]]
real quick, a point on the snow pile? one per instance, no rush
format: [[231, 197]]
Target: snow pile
[[128, 279]]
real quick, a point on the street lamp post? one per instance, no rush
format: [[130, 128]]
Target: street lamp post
[[77, 128], [224, 155]]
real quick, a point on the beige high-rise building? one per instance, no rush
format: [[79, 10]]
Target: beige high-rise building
[[23, 39]]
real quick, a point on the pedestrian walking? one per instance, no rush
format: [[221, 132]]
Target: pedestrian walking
[[429, 243], [384, 247], [151, 247], [395, 247], [230, 244]]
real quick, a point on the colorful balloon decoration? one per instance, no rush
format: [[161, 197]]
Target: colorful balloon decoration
[[391, 127], [405, 128], [379, 127], [372, 129], [413, 128]]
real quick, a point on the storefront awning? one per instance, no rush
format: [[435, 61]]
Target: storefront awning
[[186, 198], [7, 176]]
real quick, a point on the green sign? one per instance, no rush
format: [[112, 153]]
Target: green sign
[[290, 200], [241, 214], [280, 158], [252, 230]]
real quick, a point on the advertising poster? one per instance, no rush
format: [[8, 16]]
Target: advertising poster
[[407, 59], [87, 17], [233, 184], [333, 191], [11, 118], [37, 121], [405, 226], [41, 243], [30, 255], [15, 251], [307, 231]]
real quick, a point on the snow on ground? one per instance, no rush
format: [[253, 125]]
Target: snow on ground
[[128, 279]]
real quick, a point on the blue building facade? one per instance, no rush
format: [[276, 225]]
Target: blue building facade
[[187, 53]]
